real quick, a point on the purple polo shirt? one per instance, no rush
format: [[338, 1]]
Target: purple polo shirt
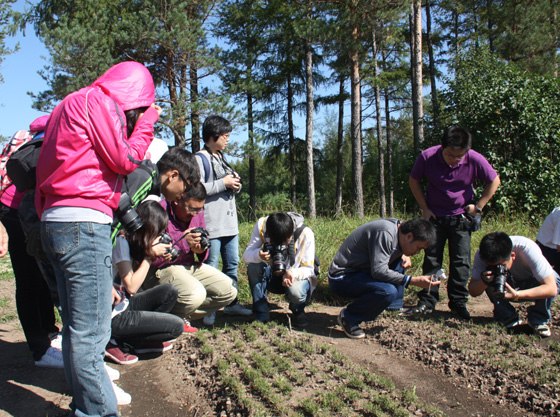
[[450, 189], [175, 229]]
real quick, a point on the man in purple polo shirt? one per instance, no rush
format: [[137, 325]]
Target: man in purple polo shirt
[[451, 170]]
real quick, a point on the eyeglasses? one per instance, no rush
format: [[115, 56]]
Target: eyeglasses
[[193, 209]]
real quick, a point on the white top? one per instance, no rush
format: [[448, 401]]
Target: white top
[[549, 233]]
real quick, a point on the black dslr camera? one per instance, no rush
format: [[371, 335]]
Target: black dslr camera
[[173, 251], [204, 237], [278, 258], [127, 215], [497, 280]]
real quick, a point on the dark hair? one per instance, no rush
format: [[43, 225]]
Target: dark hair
[[279, 227], [215, 126], [195, 192], [457, 137], [181, 160], [155, 220], [495, 247], [422, 230], [132, 117]]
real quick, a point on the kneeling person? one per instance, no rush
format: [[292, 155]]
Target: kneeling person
[[369, 268], [281, 259], [514, 269]]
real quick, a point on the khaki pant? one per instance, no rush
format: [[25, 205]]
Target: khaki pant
[[202, 289]]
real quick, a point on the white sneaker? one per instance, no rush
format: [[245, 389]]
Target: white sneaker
[[123, 398], [209, 319], [541, 329], [113, 373], [56, 342], [51, 359], [237, 310]]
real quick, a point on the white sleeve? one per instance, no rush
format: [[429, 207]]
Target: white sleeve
[[251, 254]]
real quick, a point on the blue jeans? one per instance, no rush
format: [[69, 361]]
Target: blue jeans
[[80, 253], [261, 281], [538, 313], [370, 298], [228, 248]]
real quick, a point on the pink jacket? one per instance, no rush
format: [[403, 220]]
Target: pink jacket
[[85, 151]]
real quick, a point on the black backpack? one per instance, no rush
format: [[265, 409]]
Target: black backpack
[[22, 165]]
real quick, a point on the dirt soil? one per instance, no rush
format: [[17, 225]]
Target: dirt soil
[[458, 368]]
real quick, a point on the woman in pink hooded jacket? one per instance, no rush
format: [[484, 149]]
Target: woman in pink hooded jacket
[[95, 137]]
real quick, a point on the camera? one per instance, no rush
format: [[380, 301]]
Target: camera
[[204, 237], [497, 280], [127, 215], [278, 258], [166, 239], [439, 275]]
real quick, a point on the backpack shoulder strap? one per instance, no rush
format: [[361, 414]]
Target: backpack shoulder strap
[[205, 164]]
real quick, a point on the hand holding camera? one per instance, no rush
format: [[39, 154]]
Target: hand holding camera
[[495, 277], [198, 238], [278, 258], [163, 246], [233, 182]]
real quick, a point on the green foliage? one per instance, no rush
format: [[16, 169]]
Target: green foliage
[[516, 124]]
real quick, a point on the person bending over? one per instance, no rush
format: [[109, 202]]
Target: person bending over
[[280, 258], [202, 288], [369, 265], [451, 170], [513, 269]]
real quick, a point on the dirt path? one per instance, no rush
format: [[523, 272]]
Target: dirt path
[[158, 388]]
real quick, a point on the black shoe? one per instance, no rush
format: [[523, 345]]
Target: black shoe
[[460, 311], [300, 320], [420, 309], [353, 332]]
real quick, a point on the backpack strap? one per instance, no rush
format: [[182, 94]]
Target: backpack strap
[[291, 246], [205, 164]]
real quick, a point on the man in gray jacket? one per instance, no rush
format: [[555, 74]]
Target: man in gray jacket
[[369, 268]]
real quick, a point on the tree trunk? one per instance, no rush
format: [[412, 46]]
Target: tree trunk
[[434, 95], [312, 211], [252, 176], [380, 152], [291, 143], [195, 114], [389, 144], [355, 127], [417, 102], [340, 148]]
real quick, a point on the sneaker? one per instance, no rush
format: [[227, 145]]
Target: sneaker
[[460, 311], [420, 309], [209, 319], [514, 322], [237, 310], [353, 332], [541, 329], [52, 358], [187, 328], [56, 341], [157, 347], [123, 398], [300, 320], [114, 352], [113, 373]]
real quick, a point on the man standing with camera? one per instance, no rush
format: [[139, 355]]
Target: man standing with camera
[[451, 170], [514, 269], [281, 259], [202, 288]]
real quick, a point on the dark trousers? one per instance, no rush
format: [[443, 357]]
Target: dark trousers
[[33, 299], [552, 256], [147, 317], [453, 231]]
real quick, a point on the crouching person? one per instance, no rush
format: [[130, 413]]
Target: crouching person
[[514, 269], [367, 268], [281, 259]]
